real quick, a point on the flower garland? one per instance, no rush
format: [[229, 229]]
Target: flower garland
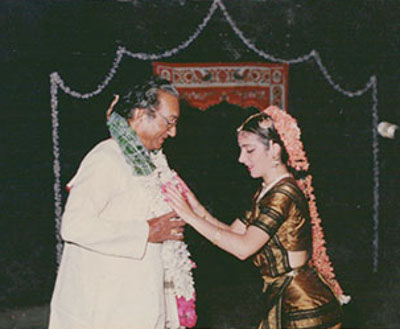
[[289, 132], [176, 258]]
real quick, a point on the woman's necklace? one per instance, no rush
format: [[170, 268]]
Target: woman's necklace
[[266, 187]]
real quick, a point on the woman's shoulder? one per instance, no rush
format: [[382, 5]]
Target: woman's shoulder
[[283, 196], [288, 184], [286, 188]]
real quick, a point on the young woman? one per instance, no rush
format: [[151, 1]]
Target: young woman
[[278, 229]]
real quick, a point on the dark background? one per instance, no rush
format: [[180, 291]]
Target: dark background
[[79, 39]]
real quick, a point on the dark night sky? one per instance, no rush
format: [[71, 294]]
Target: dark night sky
[[78, 39]]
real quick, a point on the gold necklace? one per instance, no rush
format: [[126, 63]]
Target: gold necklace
[[266, 187]]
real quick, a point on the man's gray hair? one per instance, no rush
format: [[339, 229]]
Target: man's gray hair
[[144, 96]]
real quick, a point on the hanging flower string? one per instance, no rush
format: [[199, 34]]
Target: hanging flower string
[[178, 265], [289, 132]]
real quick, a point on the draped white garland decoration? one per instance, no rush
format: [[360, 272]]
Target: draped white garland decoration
[[57, 82], [176, 258]]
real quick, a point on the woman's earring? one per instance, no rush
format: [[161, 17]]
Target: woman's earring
[[276, 162]]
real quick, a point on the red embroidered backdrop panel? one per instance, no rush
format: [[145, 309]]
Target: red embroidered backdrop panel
[[244, 84]]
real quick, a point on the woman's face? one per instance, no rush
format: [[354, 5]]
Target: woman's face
[[254, 154]]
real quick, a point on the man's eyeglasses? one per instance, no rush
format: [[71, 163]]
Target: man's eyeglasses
[[170, 122]]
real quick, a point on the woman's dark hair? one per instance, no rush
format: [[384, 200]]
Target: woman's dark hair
[[262, 125], [143, 96]]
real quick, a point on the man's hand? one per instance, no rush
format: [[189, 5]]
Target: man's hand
[[163, 228]]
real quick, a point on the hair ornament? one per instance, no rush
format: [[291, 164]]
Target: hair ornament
[[240, 128], [289, 132], [265, 123]]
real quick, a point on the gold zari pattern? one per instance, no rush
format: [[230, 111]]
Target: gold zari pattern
[[295, 298]]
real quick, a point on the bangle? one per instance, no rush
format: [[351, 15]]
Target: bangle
[[217, 236], [203, 214]]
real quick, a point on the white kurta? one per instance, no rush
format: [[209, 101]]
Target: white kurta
[[109, 277]]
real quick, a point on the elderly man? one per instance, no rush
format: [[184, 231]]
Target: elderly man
[[111, 272]]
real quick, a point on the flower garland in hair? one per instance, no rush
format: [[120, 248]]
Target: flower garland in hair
[[289, 132]]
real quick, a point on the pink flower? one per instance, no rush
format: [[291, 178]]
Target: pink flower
[[289, 132], [187, 311]]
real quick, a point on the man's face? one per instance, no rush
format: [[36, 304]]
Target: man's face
[[153, 131]]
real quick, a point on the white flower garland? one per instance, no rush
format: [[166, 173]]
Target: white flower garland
[[178, 268], [57, 82], [177, 264]]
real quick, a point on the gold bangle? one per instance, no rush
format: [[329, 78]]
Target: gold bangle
[[217, 236], [203, 215]]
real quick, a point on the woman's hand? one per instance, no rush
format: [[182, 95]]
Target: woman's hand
[[196, 206], [178, 203]]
